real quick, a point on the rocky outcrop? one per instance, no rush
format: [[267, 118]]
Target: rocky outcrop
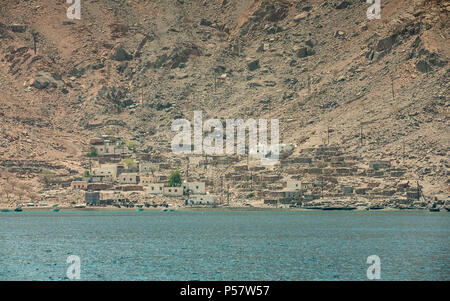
[[120, 54], [44, 80]]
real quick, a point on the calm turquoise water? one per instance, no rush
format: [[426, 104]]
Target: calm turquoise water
[[217, 245]]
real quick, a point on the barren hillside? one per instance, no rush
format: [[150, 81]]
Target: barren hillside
[[376, 88]]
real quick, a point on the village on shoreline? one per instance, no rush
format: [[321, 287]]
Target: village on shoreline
[[119, 177]]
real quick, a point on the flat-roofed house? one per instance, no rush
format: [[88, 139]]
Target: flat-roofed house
[[155, 188], [293, 185], [128, 178], [106, 170], [173, 191], [111, 149], [102, 178], [293, 195], [194, 188], [307, 186], [145, 180], [79, 185], [201, 199]]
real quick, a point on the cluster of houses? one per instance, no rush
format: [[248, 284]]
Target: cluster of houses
[[140, 176], [310, 174]]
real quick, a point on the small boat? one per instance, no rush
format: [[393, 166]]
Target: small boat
[[434, 209], [312, 207], [140, 209], [6, 210], [165, 210], [339, 208], [55, 210], [79, 206], [447, 208], [18, 209], [376, 207]]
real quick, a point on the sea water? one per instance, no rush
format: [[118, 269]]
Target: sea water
[[224, 245]]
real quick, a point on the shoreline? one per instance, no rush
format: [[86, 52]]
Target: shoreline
[[317, 209]]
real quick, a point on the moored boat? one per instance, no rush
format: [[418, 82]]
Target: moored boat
[[434, 209], [339, 208], [376, 207], [55, 210], [18, 209], [6, 210]]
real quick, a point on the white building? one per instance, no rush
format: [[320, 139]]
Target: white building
[[194, 188], [110, 149], [292, 185], [201, 200], [106, 170], [173, 191], [155, 188]]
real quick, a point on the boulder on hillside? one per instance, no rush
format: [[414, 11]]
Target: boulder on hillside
[[386, 43], [17, 28], [304, 52], [45, 80], [343, 5], [300, 16], [120, 54], [253, 65]]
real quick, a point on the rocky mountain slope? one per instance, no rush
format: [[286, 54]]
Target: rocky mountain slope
[[376, 88]]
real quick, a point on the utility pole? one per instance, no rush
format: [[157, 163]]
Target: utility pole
[[392, 86], [309, 85], [321, 184], [228, 195], [35, 40], [221, 189], [403, 152], [239, 47], [215, 81], [418, 191], [328, 135], [361, 134]]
